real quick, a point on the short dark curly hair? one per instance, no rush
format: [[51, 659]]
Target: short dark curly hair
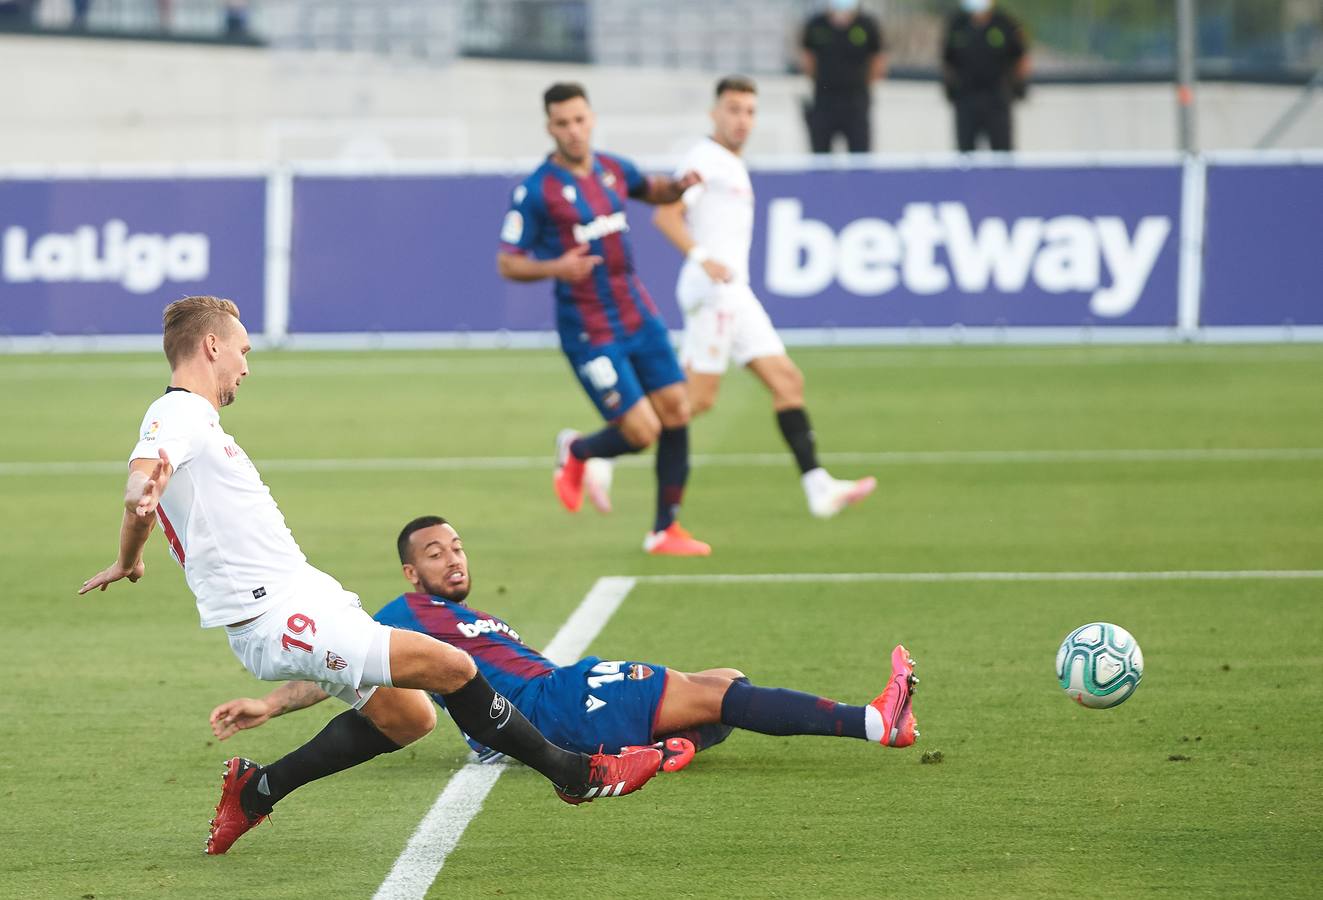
[[418, 524]]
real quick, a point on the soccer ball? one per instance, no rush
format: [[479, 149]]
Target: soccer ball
[[1099, 665]]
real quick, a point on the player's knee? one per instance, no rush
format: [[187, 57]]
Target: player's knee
[[641, 433], [449, 668], [731, 674], [700, 403], [676, 413], [404, 716], [419, 722]]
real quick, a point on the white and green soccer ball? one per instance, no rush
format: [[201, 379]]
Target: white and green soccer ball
[[1099, 665]]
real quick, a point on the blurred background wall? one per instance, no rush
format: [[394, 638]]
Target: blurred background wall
[[164, 81]]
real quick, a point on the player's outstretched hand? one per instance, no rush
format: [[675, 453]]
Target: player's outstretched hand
[[716, 271], [575, 264], [110, 574], [237, 715], [149, 493]]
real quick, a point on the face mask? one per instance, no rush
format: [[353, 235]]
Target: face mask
[[974, 7], [844, 5]]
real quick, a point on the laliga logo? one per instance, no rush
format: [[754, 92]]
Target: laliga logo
[[873, 256], [139, 262]]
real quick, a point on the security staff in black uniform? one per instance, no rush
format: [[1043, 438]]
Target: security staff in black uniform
[[843, 52], [985, 66]]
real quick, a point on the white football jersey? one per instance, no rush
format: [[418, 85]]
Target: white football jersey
[[220, 520], [719, 213]]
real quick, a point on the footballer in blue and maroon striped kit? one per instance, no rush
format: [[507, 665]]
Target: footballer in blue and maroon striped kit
[[594, 703], [567, 222]]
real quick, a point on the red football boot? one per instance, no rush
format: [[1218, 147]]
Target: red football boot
[[568, 478], [677, 752], [616, 776], [231, 821], [675, 541], [895, 702]]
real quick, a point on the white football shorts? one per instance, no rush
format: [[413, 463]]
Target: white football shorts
[[318, 632], [727, 325]]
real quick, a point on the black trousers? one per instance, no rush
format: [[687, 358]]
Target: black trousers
[[987, 114], [844, 114]]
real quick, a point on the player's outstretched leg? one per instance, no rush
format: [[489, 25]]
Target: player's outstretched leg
[[249, 791], [894, 704], [888, 720]]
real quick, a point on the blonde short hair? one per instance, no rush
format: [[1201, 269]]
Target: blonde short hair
[[186, 321]]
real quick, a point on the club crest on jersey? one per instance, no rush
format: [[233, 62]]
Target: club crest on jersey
[[609, 179], [335, 662], [569, 193], [638, 672]]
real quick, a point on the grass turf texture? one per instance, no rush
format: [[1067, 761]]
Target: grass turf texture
[[108, 771]]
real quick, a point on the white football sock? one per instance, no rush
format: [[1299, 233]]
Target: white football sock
[[873, 724]]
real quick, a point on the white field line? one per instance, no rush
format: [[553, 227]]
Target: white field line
[[727, 460], [439, 832], [840, 357], [937, 577]]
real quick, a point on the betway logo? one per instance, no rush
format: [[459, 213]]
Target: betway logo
[[139, 262], [486, 626], [600, 227], [873, 256]]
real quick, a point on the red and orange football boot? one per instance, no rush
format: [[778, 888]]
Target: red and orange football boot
[[568, 477], [675, 541], [677, 752], [895, 702]]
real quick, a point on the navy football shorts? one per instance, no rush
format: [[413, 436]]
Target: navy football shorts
[[615, 376], [599, 703]]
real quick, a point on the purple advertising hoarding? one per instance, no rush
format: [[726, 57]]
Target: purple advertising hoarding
[[846, 249], [1262, 263], [96, 257]]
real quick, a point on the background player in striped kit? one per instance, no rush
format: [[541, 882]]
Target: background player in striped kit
[[594, 703], [567, 222], [724, 322]]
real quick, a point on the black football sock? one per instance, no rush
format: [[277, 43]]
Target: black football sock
[[347, 740], [781, 711], [798, 434], [672, 473], [493, 721], [605, 444]]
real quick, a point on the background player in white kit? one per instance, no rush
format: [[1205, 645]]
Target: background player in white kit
[[723, 321], [287, 620]]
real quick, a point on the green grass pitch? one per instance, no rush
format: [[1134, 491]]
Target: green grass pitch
[[108, 771]]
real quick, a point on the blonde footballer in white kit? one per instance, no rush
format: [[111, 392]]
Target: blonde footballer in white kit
[[286, 620], [712, 226]]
